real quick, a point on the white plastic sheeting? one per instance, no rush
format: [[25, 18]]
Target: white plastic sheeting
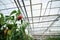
[[41, 18]]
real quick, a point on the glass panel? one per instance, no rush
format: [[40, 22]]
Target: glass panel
[[29, 13], [2, 7], [6, 1], [36, 7], [30, 20], [21, 3], [10, 6], [28, 8], [0, 3], [59, 11], [30, 27], [34, 1], [44, 24], [54, 11], [12, 0], [45, 3], [55, 30], [36, 25], [35, 19], [42, 13], [47, 12], [55, 27], [36, 13], [49, 5], [49, 18], [36, 32], [41, 29], [7, 12], [27, 2], [55, 0], [57, 23], [56, 4]]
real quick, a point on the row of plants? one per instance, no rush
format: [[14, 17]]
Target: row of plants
[[53, 38], [9, 28]]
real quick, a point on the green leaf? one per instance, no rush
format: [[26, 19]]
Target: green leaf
[[1, 15], [21, 21], [1, 19], [18, 13], [9, 32], [12, 17], [7, 18], [13, 12], [24, 25], [10, 26]]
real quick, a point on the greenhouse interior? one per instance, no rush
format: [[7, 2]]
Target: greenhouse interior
[[29, 19]]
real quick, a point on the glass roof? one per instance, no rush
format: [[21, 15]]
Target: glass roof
[[43, 15]]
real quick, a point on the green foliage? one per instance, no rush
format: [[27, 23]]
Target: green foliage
[[1, 19], [1, 24], [24, 25], [12, 17], [18, 13], [13, 12], [54, 38], [10, 26], [11, 33]]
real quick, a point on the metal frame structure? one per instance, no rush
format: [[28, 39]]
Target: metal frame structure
[[49, 12], [18, 6]]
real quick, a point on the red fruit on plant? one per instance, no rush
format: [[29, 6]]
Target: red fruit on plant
[[19, 17]]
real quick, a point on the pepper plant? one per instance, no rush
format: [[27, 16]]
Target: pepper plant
[[10, 30]]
